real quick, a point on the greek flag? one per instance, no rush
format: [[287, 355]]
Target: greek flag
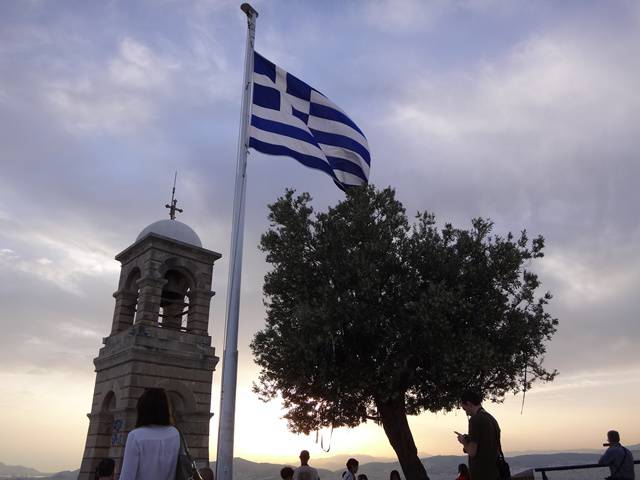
[[288, 117]]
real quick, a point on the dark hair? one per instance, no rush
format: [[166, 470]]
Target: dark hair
[[286, 472], [362, 476], [462, 468], [472, 397], [613, 436], [154, 408], [352, 462], [394, 474], [105, 468]]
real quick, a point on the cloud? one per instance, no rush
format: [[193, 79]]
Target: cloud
[[541, 138], [610, 379], [119, 96], [584, 280], [137, 67], [7, 255], [409, 16], [539, 134], [546, 83], [58, 257]]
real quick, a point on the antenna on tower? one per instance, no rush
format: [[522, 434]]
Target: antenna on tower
[[174, 201]]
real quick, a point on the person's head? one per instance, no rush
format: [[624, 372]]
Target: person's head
[[304, 457], [613, 436], [154, 408], [362, 476], [463, 470], [394, 475], [286, 473], [206, 473], [470, 402], [352, 465], [106, 468]]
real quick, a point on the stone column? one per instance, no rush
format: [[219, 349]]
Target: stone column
[[195, 428], [149, 300], [198, 318], [125, 310]]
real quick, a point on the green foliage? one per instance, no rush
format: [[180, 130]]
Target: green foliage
[[363, 307]]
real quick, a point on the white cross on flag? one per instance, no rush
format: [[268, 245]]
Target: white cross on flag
[[288, 117]]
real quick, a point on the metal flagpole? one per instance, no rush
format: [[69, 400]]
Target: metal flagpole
[[224, 457]]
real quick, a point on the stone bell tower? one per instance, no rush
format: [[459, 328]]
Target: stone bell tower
[[158, 338]]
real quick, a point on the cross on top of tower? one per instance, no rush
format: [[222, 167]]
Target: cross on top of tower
[[174, 201]]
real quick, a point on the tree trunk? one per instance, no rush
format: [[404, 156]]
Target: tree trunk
[[394, 420]]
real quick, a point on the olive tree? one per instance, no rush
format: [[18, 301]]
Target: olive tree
[[373, 318]]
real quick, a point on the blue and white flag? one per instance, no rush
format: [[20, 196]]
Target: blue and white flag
[[288, 117]]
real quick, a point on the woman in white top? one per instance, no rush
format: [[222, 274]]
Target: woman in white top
[[151, 452]]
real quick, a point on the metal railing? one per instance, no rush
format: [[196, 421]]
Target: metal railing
[[544, 470]]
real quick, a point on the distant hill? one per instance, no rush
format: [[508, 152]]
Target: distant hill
[[439, 467], [247, 470], [65, 475], [31, 474], [19, 470], [338, 462], [445, 467]]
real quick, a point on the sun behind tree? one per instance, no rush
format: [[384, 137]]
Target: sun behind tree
[[371, 318]]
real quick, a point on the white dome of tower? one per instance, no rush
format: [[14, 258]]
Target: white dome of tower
[[172, 229]]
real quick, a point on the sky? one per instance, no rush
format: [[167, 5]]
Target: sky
[[524, 112]]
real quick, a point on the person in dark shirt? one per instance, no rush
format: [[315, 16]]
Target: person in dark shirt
[[617, 458], [106, 469], [482, 441], [286, 473]]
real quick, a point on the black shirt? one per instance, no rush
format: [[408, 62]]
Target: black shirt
[[485, 432]]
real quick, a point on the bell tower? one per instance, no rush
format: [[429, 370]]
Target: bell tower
[[159, 338]]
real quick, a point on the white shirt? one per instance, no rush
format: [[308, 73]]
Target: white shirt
[[151, 453], [305, 472]]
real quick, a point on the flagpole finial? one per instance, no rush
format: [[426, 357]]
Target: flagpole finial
[[249, 10]]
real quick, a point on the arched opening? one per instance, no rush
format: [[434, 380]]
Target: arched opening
[[174, 302], [108, 403], [108, 431]]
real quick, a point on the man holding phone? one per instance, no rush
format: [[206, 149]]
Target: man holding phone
[[483, 440]]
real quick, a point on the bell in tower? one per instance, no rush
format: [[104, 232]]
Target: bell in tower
[[159, 338], [174, 301]]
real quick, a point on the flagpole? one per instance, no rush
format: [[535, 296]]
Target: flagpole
[[224, 457]]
